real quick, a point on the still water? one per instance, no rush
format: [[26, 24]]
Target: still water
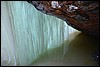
[[80, 53]]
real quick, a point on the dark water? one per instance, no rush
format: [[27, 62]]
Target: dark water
[[81, 51]]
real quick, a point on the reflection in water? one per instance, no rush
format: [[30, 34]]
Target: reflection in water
[[85, 45], [80, 52], [27, 33]]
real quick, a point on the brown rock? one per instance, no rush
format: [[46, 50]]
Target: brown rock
[[81, 15]]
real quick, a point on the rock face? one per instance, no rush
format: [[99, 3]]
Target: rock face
[[81, 15]]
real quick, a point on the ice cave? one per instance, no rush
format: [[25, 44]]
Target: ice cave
[[32, 38]]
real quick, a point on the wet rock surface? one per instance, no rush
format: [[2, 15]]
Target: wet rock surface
[[81, 15]]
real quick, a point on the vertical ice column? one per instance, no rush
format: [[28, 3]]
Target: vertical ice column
[[27, 33]]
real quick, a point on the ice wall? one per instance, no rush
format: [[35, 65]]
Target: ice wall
[[26, 33]]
